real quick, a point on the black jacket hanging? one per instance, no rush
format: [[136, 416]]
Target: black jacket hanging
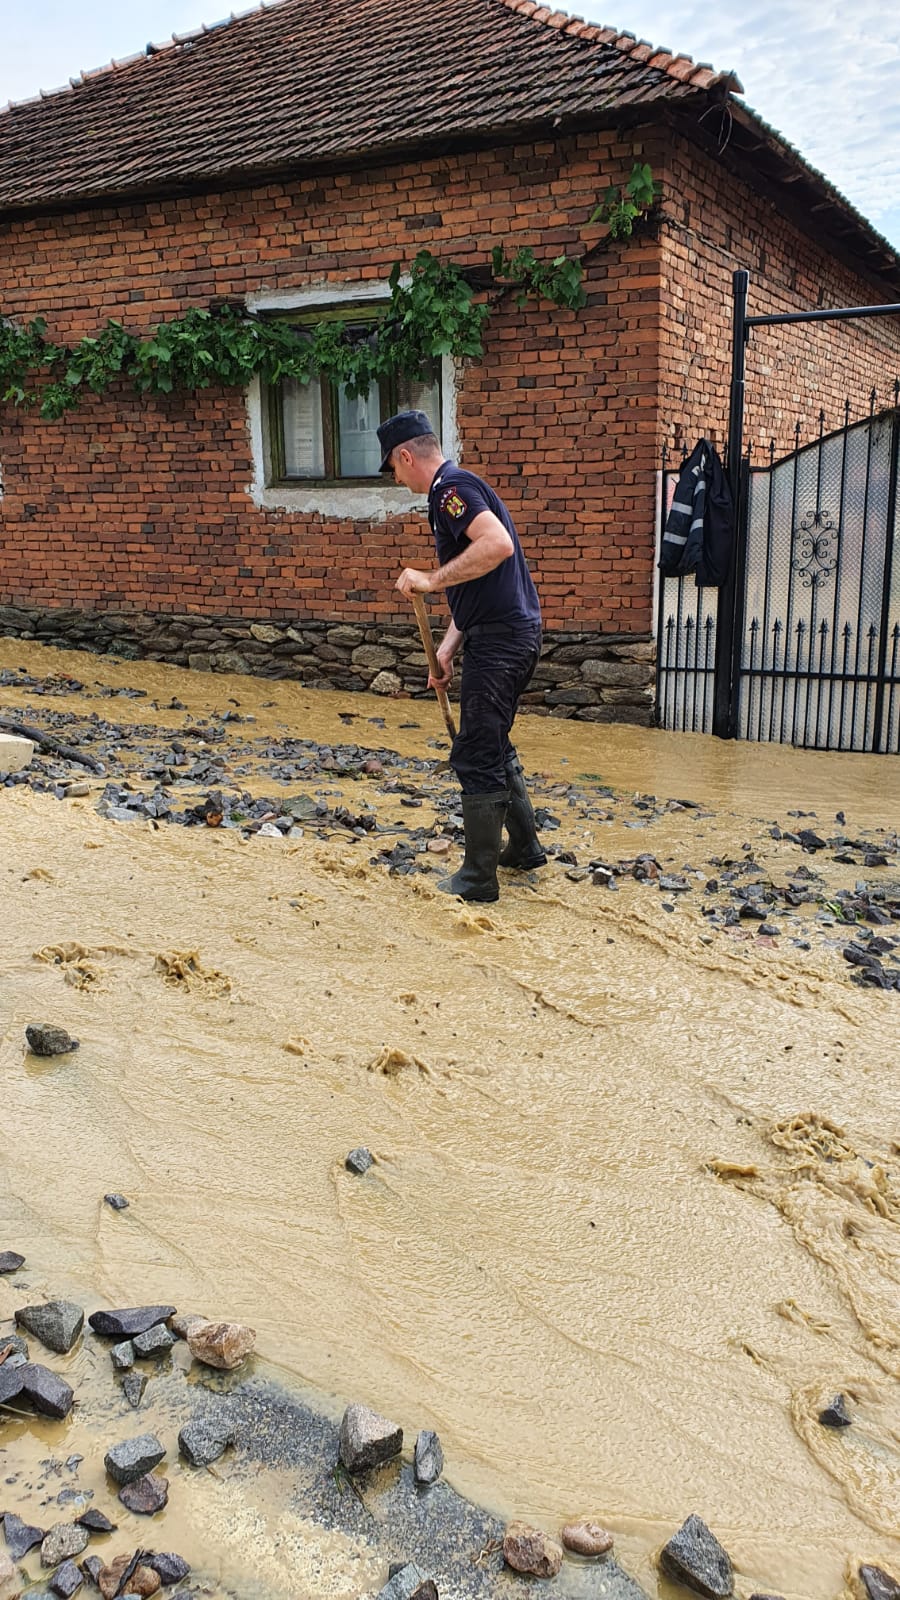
[[699, 527]]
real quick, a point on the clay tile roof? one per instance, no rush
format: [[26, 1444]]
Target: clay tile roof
[[293, 86]]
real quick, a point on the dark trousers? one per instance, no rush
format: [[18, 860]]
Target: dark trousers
[[498, 665]]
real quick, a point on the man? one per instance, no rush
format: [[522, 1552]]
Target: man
[[497, 617]]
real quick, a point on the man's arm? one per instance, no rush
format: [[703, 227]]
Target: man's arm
[[489, 546]]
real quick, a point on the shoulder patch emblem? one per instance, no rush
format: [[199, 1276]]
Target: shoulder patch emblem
[[453, 503]]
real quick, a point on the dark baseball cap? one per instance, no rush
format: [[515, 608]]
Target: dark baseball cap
[[405, 425]]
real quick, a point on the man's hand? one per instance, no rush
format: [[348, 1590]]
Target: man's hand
[[411, 581], [445, 678]]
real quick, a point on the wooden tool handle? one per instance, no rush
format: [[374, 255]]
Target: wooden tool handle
[[419, 607]]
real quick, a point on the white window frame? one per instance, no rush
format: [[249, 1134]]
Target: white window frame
[[371, 502]]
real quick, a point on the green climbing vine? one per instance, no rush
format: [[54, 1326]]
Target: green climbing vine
[[433, 311]]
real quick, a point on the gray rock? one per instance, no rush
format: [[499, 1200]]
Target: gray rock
[[373, 657], [66, 1580], [11, 1384], [359, 1160], [96, 1522], [15, 1359], [133, 1386], [168, 1567], [836, 1414], [125, 1324], [367, 1439], [185, 1322], [45, 1040], [694, 1557], [117, 1201], [878, 1584], [204, 1440], [64, 1539], [92, 1567], [48, 1392], [428, 1460], [146, 1495], [122, 1355], [11, 1261], [15, 1343], [386, 683], [408, 1582], [133, 1458], [156, 1341], [20, 1536], [57, 1323]]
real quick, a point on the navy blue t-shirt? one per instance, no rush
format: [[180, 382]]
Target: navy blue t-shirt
[[507, 594]]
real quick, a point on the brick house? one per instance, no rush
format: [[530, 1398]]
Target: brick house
[[287, 158]]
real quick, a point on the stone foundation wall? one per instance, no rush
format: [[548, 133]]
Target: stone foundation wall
[[593, 677]]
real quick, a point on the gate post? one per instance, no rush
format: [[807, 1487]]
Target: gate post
[[724, 707]]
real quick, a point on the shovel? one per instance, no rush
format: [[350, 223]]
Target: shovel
[[418, 601]]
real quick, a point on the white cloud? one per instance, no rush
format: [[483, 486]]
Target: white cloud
[[826, 76]]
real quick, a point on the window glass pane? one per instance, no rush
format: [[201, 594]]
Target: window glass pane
[[424, 395], [357, 422], [304, 450]]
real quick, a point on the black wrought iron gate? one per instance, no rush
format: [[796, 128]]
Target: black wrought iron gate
[[802, 646]]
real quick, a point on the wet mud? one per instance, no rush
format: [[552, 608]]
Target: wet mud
[[634, 1205]]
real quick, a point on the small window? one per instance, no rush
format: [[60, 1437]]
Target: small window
[[317, 433]]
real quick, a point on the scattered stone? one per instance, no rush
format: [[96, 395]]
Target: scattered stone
[[20, 1536], [133, 1386], [14, 1345], [428, 1459], [694, 1557], [122, 1355], [96, 1522], [185, 1322], [204, 1440], [586, 1538], [157, 1341], [221, 1344], [359, 1160], [10, 1586], [48, 1392], [45, 1040], [367, 1439], [66, 1580], [64, 1539], [528, 1549], [125, 1324], [836, 1414], [10, 1261], [130, 1460], [57, 1323], [145, 1495], [92, 1567], [408, 1582], [10, 1381], [878, 1584], [142, 1580], [117, 1201], [168, 1567], [438, 847]]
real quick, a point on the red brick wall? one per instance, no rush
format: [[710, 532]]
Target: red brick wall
[[714, 225], [143, 503]]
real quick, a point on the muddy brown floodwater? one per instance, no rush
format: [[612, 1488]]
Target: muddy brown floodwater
[[636, 1207]]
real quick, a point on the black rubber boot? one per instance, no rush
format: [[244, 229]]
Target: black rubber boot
[[477, 877], [524, 849]]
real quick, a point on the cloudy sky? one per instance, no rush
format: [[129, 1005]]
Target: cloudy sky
[[827, 76]]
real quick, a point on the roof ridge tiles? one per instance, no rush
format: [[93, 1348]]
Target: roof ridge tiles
[[642, 50]]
